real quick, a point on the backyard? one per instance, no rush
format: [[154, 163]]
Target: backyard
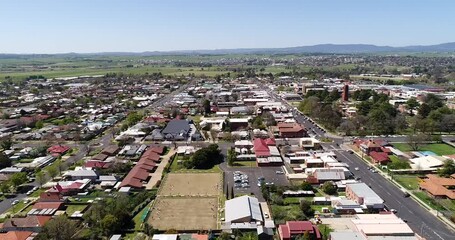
[[410, 182], [437, 148]]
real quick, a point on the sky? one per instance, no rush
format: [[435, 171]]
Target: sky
[[87, 26]]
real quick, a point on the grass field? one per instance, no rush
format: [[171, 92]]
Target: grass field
[[187, 201], [438, 148], [184, 213], [191, 184], [410, 182], [73, 208]]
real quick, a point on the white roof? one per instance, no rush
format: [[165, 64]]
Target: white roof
[[165, 237], [427, 162], [242, 207]]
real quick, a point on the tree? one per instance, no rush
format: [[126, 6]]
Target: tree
[[447, 169], [39, 124], [59, 228], [415, 141], [329, 188], [207, 107], [424, 110], [231, 157], [53, 171], [41, 178], [305, 206], [110, 224], [18, 179], [412, 104], [6, 143], [5, 161], [347, 126], [306, 186]]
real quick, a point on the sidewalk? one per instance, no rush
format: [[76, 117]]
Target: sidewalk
[[422, 203], [156, 176]]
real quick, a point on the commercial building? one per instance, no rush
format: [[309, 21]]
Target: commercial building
[[364, 195]]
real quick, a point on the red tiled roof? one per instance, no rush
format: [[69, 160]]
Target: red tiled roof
[[379, 156], [260, 148], [31, 221], [97, 164], [50, 197], [15, 235], [284, 231], [157, 149], [60, 149], [270, 141], [299, 227]]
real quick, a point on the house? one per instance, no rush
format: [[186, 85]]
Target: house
[[364, 195], [367, 146], [32, 223], [292, 229], [81, 173], [291, 130], [346, 206], [50, 197], [17, 235], [95, 164], [176, 130], [237, 124], [329, 174], [11, 170], [439, 187], [111, 150], [45, 208], [58, 149], [381, 158], [70, 187]]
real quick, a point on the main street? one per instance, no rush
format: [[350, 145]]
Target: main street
[[421, 220]]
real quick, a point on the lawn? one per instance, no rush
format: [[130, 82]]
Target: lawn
[[178, 167], [138, 218], [410, 182], [73, 208], [438, 148], [428, 200], [245, 164]]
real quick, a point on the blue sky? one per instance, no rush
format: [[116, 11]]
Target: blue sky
[[56, 26]]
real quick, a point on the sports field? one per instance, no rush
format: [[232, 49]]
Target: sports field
[[187, 201], [191, 184], [184, 213]]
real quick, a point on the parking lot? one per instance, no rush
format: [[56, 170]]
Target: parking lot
[[268, 173]]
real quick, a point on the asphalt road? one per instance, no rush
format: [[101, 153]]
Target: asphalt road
[[419, 219]]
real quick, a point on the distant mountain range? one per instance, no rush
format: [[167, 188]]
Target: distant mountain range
[[320, 48]]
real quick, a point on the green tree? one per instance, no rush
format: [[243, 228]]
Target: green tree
[[53, 171], [110, 224], [18, 179], [329, 188], [424, 110], [59, 228], [5, 161], [231, 157], [305, 207], [41, 178], [39, 124], [306, 186], [412, 104], [415, 141], [207, 107], [447, 169], [6, 143]]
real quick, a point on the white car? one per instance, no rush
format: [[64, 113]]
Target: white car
[[15, 202], [357, 169]]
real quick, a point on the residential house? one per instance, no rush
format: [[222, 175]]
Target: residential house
[[177, 130], [291, 130], [439, 187], [31, 223], [292, 229]]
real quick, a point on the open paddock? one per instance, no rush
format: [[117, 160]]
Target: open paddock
[[184, 213], [191, 184]]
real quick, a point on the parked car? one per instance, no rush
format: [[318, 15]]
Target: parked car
[[279, 172], [15, 202]]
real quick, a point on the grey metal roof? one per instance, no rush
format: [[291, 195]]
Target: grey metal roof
[[176, 127], [362, 190], [243, 207]]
